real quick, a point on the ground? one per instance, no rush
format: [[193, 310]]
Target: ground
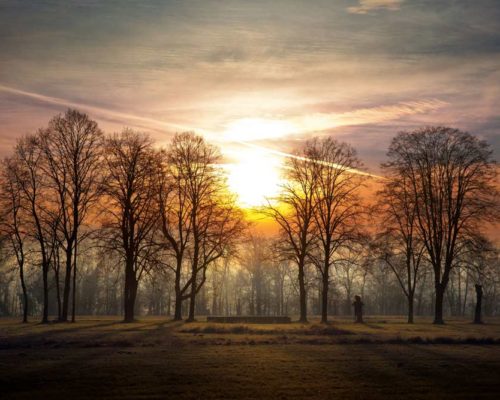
[[156, 358]]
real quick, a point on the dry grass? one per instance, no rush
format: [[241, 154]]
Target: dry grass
[[344, 331], [154, 358]]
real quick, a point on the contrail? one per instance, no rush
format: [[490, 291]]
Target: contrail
[[329, 164], [97, 110], [116, 114]]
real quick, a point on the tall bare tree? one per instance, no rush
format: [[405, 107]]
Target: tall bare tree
[[130, 197], [13, 220], [336, 204], [399, 244], [294, 213], [202, 222], [28, 174], [72, 147], [451, 177], [175, 218]]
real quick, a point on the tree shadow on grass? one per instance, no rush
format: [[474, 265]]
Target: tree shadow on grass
[[113, 334]]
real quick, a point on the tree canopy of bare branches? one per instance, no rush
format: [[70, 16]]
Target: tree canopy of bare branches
[[72, 149], [450, 177], [337, 205], [398, 242], [200, 220], [13, 220], [130, 198], [294, 213]]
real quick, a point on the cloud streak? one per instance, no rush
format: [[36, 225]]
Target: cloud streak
[[276, 70], [365, 6], [328, 164], [260, 129], [99, 111]]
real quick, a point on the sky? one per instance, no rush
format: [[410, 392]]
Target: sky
[[255, 77]]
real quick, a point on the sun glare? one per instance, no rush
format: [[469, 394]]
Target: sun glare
[[249, 129], [255, 177]]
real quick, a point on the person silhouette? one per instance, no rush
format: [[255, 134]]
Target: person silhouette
[[358, 309], [477, 311]]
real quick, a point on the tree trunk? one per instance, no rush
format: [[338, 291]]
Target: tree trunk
[[45, 273], [129, 292], [73, 305], [302, 294], [194, 275], [324, 296], [58, 291], [178, 294], [282, 298], [178, 307], [25, 293], [438, 306], [192, 297], [67, 282], [411, 297], [130, 302]]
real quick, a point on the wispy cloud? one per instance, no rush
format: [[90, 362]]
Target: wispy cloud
[[365, 6], [260, 68], [259, 129], [374, 115], [125, 118]]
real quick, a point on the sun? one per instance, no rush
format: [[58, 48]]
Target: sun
[[254, 177], [255, 174]]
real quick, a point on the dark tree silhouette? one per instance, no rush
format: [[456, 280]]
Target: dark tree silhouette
[[399, 244], [206, 221], [28, 174], [72, 148], [13, 220], [450, 175], [336, 204], [176, 229], [130, 196], [294, 213]]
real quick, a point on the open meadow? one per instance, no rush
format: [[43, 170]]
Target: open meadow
[[100, 357]]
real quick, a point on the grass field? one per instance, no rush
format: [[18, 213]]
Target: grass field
[[156, 358]]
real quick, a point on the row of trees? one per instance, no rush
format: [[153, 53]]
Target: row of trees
[[257, 283], [81, 207], [156, 208], [439, 190]]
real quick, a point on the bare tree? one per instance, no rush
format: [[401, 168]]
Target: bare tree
[[294, 213], [451, 178], [399, 244], [13, 220], [200, 221], [130, 197], [28, 174], [175, 219], [72, 147], [220, 226], [336, 204], [475, 261]]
